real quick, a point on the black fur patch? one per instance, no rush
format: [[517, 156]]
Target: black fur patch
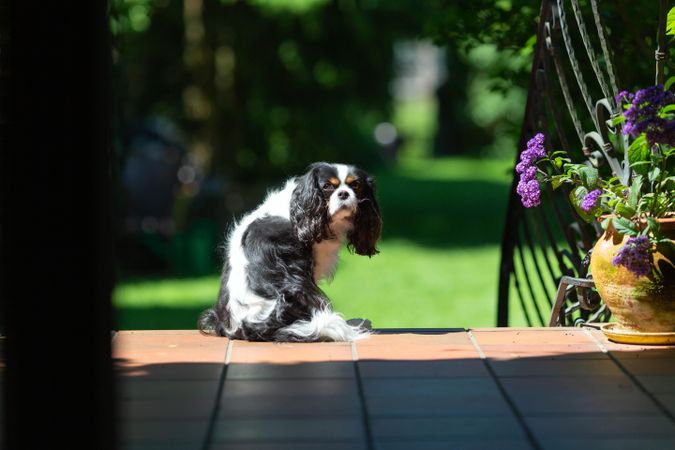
[[217, 319], [279, 268], [309, 204], [367, 222]]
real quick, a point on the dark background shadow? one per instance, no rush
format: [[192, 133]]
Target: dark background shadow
[[558, 401], [442, 214]]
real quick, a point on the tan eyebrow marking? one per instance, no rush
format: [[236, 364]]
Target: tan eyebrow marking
[[334, 181], [350, 179]]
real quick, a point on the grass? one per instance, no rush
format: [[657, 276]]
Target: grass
[[405, 286], [438, 265], [418, 286]]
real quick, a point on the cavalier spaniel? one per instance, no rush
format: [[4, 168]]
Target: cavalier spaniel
[[276, 255]]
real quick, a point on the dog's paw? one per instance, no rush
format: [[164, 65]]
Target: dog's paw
[[364, 324]]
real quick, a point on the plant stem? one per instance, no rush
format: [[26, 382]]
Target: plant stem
[[654, 210]]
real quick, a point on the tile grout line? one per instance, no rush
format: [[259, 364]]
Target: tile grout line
[[666, 412], [597, 343], [370, 445], [502, 390], [228, 352], [208, 436]]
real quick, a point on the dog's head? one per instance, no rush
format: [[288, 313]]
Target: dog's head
[[332, 199]]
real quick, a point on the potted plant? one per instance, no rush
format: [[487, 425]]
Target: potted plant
[[633, 262]]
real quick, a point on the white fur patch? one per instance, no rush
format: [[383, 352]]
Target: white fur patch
[[244, 304], [335, 204], [343, 171], [325, 325]]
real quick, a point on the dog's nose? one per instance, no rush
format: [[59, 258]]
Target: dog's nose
[[343, 195]]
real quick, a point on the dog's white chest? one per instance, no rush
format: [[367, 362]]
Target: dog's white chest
[[326, 258]]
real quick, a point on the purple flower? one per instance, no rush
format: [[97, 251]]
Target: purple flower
[[530, 193], [634, 256], [528, 186], [662, 133], [642, 116], [535, 146], [624, 95], [590, 200], [527, 173]]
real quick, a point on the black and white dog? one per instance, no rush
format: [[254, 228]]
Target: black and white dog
[[276, 255]]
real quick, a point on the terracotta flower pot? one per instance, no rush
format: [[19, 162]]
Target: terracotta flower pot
[[638, 303]]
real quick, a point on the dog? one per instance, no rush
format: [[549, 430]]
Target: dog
[[276, 255]]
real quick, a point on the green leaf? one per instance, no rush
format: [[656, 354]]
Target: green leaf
[[571, 168], [576, 197], [557, 181], [624, 226], [559, 153], [654, 174], [634, 193], [578, 194], [589, 177], [669, 82], [624, 210], [641, 167], [653, 226], [617, 120], [605, 223], [638, 151], [668, 183], [670, 24], [668, 108]]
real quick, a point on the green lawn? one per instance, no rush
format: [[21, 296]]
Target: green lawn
[[438, 265]]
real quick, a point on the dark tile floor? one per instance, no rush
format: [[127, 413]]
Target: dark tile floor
[[506, 388]]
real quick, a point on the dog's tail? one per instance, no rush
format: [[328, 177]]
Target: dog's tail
[[210, 324], [324, 325]]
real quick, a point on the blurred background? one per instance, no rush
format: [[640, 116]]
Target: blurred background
[[217, 101]]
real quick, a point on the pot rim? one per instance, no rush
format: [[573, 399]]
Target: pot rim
[[667, 223], [669, 217]]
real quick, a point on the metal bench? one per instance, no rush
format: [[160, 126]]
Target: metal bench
[[571, 99]]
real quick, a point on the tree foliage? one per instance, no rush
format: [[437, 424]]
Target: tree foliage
[[261, 89]]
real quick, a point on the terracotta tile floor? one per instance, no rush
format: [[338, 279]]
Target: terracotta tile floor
[[508, 388]]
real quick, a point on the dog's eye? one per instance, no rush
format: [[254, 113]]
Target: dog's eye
[[355, 184], [328, 186]]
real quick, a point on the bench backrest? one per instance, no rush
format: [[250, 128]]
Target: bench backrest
[[571, 99]]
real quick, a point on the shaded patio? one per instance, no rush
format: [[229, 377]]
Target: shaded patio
[[399, 389]]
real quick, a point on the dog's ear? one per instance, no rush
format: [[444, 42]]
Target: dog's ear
[[367, 222], [309, 210]]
